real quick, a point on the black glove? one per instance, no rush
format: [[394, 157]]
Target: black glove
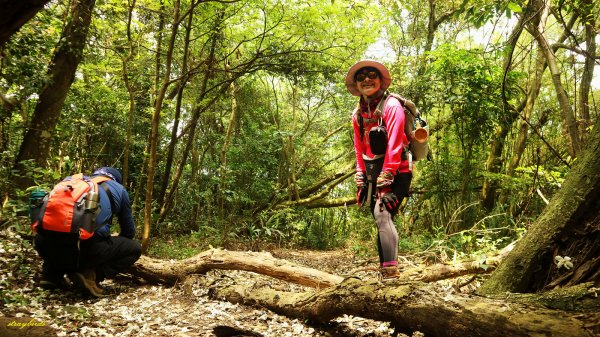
[[389, 199]]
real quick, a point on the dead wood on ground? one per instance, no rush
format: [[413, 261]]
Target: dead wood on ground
[[417, 306], [408, 305], [172, 271]]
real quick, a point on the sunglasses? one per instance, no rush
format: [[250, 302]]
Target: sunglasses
[[372, 74]]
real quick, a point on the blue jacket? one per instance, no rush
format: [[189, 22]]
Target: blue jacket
[[122, 210]]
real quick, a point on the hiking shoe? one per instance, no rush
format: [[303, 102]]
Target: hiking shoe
[[81, 280], [389, 273], [90, 276], [53, 281], [51, 285]]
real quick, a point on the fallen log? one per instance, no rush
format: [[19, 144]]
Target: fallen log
[[443, 271], [408, 305], [417, 306], [171, 271]]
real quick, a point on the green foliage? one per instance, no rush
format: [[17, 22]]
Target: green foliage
[[23, 67], [488, 235], [283, 64], [14, 212], [481, 12], [464, 89], [180, 246]]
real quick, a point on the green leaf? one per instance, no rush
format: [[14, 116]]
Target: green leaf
[[515, 7]]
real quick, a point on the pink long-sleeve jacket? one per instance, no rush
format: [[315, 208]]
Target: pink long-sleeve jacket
[[393, 118]]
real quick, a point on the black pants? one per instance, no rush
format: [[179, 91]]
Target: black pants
[[60, 255], [108, 256]]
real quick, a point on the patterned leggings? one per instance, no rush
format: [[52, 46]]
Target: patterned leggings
[[387, 238]]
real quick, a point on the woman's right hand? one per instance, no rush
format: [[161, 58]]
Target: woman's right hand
[[360, 179]]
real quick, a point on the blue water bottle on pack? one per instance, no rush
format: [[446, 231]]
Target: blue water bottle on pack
[[36, 201]]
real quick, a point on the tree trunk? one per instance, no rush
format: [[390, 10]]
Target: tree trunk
[[177, 118], [494, 159], [319, 198], [494, 165], [568, 115], [569, 226], [15, 14], [415, 306], [197, 110], [223, 172], [61, 73], [589, 18], [408, 305], [169, 272], [131, 91], [532, 94], [154, 132]]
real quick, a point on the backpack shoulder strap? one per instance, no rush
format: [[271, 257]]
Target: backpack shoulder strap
[[411, 114], [381, 106], [359, 120], [407, 105], [100, 180], [110, 196]]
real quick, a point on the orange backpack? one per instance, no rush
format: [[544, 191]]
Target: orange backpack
[[70, 208]]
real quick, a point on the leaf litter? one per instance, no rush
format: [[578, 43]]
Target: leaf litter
[[137, 309]]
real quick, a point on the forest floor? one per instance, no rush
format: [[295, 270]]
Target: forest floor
[[137, 309]]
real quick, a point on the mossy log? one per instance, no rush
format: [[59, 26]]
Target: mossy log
[[417, 306]]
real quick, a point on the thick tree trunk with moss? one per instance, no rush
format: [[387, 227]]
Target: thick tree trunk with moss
[[37, 142], [569, 226], [414, 306]]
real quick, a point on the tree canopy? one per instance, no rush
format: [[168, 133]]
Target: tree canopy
[[231, 124], [230, 120]]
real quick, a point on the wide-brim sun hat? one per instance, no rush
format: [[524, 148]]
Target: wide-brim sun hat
[[351, 84]]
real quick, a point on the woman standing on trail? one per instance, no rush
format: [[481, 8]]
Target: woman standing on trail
[[383, 163]]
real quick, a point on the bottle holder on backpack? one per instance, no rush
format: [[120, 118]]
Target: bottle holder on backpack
[[36, 202], [419, 144]]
